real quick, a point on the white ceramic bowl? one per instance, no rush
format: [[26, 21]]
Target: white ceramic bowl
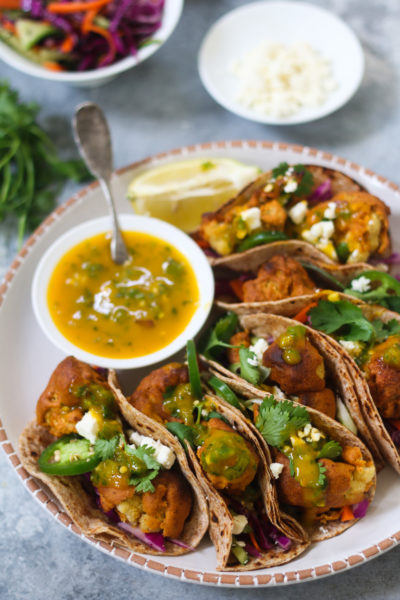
[[242, 29], [160, 229], [171, 16]]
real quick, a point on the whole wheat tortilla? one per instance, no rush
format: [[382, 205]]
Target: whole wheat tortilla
[[81, 506], [221, 522], [336, 432]]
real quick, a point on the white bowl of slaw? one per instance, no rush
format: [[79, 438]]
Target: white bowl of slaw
[[171, 15]]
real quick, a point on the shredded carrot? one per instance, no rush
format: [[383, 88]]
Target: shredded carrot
[[71, 7], [67, 44], [395, 423], [88, 20], [237, 288], [52, 66], [254, 541], [8, 26], [10, 4], [346, 514], [107, 35], [302, 315]]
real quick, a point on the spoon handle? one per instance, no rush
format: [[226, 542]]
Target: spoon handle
[[93, 139]]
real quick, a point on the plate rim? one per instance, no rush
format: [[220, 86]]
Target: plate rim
[[147, 562]]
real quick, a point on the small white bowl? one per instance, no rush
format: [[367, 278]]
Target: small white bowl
[[242, 29], [171, 16], [160, 229]]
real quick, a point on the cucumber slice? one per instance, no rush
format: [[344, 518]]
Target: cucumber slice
[[31, 33]]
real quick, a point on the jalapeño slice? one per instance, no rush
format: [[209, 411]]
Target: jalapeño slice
[[70, 455]]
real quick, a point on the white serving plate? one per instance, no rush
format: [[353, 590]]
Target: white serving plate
[[287, 22], [28, 358]]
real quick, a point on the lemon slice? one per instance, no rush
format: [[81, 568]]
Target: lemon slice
[[180, 192]]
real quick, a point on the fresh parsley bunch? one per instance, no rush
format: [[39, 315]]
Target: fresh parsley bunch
[[31, 174]]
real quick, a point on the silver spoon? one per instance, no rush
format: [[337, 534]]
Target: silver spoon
[[93, 139]]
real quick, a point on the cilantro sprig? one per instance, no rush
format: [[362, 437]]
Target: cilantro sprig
[[331, 449], [142, 481], [217, 339], [347, 322], [303, 176], [31, 174], [277, 421], [105, 449]]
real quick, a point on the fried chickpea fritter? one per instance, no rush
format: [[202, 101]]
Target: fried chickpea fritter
[[361, 222], [308, 375], [229, 461], [278, 278], [273, 216], [242, 338], [383, 376], [324, 401], [58, 407], [148, 396]]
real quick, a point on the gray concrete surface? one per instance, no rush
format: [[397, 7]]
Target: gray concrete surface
[[157, 106]]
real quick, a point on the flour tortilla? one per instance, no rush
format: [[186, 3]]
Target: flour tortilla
[[81, 507], [221, 522]]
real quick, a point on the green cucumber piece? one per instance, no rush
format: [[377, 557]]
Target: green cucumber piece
[[31, 32]]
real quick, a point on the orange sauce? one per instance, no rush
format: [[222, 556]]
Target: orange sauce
[[122, 311]]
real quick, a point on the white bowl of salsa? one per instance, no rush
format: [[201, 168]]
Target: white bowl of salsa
[[122, 316]]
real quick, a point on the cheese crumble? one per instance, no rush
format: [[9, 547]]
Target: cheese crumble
[[279, 79]]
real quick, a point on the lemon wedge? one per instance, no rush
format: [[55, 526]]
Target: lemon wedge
[[180, 192]]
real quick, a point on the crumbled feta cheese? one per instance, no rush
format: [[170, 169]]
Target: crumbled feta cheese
[[239, 523], [298, 212], [164, 455], [88, 426], [361, 284], [277, 392], [353, 348], [290, 187], [251, 216], [315, 435], [330, 212], [276, 469], [280, 79], [253, 361], [259, 347], [269, 187]]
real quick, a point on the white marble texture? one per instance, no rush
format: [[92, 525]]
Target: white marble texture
[[158, 106]]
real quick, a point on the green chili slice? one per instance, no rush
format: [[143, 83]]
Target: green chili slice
[[224, 391], [194, 373], [259, 238], [70, 455]]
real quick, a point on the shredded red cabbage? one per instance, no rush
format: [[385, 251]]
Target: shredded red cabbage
[[322, 193], [118, 30], [154, 540], [180, 543], [360, 509], [394, 433], [251, 550]]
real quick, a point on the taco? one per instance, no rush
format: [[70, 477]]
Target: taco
[[246, 526], [368, 338], [121, 481], [315, 205], [279, 277], [275, 355]]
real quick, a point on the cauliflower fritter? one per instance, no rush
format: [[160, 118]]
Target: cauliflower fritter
[[383, 376], [278, 278], [148, 396], [242, 338], [324, 401], [58, 407], [228, 460]]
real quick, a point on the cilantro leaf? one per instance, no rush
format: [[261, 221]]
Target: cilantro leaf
[[384, 330], [277, 421], [146, 453], [280, 170], [105, 449], [331, 449], [344, 319], [306, 182], [216, 415], [143, 483], [219, 336]]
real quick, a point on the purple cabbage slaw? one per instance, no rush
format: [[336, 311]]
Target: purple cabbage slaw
[[129, 25]]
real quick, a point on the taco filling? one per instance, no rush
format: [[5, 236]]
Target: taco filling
[[349, 226], [228, 460], [373, 344], [319, 476], [133, 478]]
